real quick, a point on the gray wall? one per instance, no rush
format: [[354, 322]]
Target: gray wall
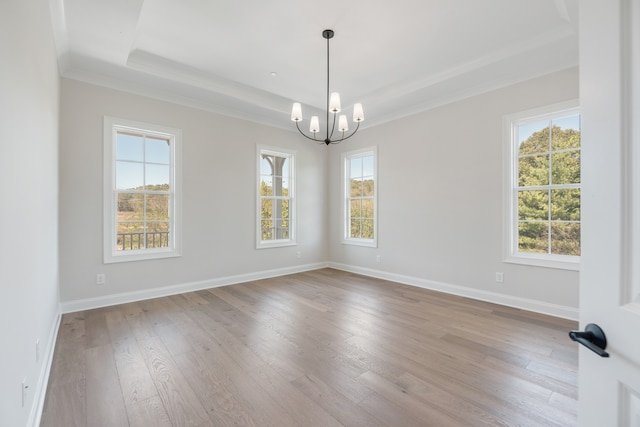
[[440, 201], [29, 99], [219, 199]]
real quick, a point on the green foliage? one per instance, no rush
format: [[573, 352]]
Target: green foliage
[[565, 204], [274, 212], [361, 187], [361, 209], [533, 171], [561, 139], [565, 238], [143, 216], [549, 217], [533, 205], [565, 167], [533, 237]]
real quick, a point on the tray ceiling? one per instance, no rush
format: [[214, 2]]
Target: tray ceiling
[[252, 59]]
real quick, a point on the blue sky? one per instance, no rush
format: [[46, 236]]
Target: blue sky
[[569, 122], [141, 161]]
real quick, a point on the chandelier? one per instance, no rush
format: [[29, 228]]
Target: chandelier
[[333, 108]]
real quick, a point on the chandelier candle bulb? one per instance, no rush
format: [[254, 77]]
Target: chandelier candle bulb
[[334, 104], [358, 113], [343, 125], [296, 112], [314, 127]]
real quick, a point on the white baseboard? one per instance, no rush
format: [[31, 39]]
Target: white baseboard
[[41, 387], [542, 307], [122, 298]]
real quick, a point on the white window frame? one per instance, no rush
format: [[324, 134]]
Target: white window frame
[[111, 255], [346, 157], [291, 155], [510, 178]]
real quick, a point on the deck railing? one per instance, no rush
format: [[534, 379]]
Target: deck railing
[[133, 241]]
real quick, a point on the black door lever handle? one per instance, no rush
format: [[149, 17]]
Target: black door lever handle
[[593, 338]]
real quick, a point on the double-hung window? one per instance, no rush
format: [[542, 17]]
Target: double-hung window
[[542, 193], [276, 198], [360, 183], [141, 191]]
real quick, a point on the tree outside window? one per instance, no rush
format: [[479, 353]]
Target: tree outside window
[[545, 189]]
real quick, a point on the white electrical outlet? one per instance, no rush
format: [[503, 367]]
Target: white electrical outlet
[[499, 277], [37, 350], [377, 258], [100, 279], [298, 254]]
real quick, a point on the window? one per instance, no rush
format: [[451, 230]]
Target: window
[[360, 197], [276, 198], [141, 191], [543, 194]]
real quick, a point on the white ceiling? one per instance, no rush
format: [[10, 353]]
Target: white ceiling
[[397, 58]]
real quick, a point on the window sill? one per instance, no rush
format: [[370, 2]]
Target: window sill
[[275, 244], [140, 256], [559, 262], [361, 242]]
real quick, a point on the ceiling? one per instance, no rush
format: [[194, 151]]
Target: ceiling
[[253, 58]]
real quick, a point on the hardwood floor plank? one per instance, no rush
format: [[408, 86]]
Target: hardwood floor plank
[[257, 364], [215, 391], [391, 414], [135, 380], [173, 339], [569, 390], [65, 406], [318, 348], [138, 323], [294, 298], [564, 403], [180, 401], [482, 350], [335, 403], [68, 365], [105, 404], [466, 412], [97, 333], [190, 299], [557, 371], [226, 358], [458, 377], [396, 394], [279, 308], [148, 412]]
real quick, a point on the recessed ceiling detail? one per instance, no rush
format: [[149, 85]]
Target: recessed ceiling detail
[[397, 58]]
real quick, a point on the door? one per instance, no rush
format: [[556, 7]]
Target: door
[[609, 388]]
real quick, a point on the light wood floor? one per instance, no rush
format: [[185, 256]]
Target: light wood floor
[[321, 348]]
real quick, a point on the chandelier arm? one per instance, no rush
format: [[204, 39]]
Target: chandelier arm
[[333, 126], [307, 136], [337, 141]]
